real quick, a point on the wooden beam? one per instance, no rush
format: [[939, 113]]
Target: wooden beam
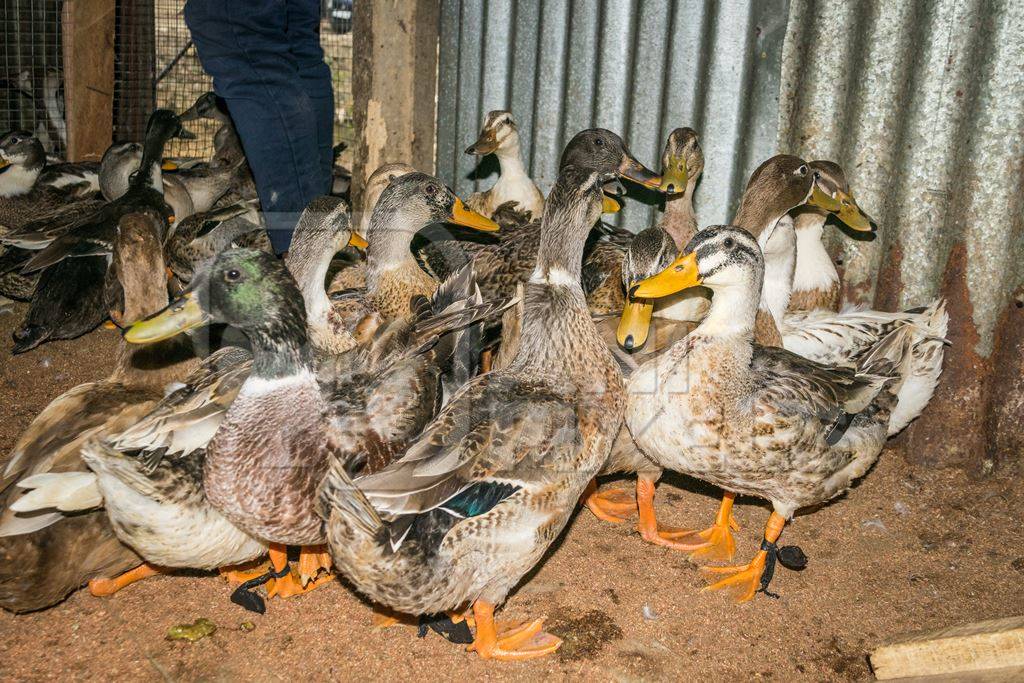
[[394, 85], [88, 29], [988, 645]]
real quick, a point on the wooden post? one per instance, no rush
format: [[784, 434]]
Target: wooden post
[[394, 85], [88, 76]]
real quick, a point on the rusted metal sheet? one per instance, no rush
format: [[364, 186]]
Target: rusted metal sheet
[[923, 104]]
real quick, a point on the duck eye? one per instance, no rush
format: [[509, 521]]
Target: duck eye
[[729, 243], [802, 171], [599, 142], [232, 275], [431, 189]]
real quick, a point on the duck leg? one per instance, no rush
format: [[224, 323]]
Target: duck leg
[[745, 581], [104, 587], [648, 524], [612, 506], [718, 541], [293, 583], [523, 641]]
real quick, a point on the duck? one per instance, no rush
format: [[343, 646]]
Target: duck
[[227, 146], [252, 291], [48, 554], [501, 265], [322, 231], [408, 204], [776, 186], [682, 164], [500, 137], [76, 289], [755, 420], [475, 501], [188, 190], [816, 284], [843, 338], [24, 168]]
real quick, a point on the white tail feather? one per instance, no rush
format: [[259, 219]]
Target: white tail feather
[[63, 491]]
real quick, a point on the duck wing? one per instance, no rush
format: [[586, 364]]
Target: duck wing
[[498, 431]]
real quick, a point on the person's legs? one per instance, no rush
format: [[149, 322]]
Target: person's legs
[[304, 39], [245, 47]]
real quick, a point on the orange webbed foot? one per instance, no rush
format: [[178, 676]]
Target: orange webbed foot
[[105, 587], [613, 505], [744, 580], [510, 643]]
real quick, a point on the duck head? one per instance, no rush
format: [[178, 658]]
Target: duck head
[[602, 151], [499, 135], [415, 200], [682, 161], [727, 260], [777, 186], [832, 194], [21, 148], [375, 185], [650, 252], [206, 106], [244, 288]]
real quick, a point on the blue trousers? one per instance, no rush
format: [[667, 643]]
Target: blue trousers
[[267, 64]]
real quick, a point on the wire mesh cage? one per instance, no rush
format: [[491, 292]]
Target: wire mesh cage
[[155, 65], [31, 71]]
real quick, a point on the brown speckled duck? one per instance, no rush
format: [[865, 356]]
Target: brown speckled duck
[[483, 492], [752, 419]]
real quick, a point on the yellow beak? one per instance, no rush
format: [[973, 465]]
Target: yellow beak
[[681, 274], [634, 324], [633, 170], [460, 215], [675, 176], [168, 165], [181, 315], [354, 240], [4, 163], [610, 205], [822, 199], [848, 212]]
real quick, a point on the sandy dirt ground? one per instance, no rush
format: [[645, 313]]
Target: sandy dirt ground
[[907, 549]]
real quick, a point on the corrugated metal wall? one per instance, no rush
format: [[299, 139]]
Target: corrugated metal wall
[[923, 104], [921, 101], [639, 67]]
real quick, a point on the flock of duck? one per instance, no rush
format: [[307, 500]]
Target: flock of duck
[[423, 419]]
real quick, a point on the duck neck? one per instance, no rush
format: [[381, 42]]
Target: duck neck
[[757, 217], [814, 267], [779, 248], [18, 179], [389, 235], [280, 343], [510, 159], [149, 168], [141, 273], [308, 264], [679, 219], [732, 312]]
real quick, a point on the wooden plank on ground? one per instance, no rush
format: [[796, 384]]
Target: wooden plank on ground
[[995, 644], [88, 76]]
